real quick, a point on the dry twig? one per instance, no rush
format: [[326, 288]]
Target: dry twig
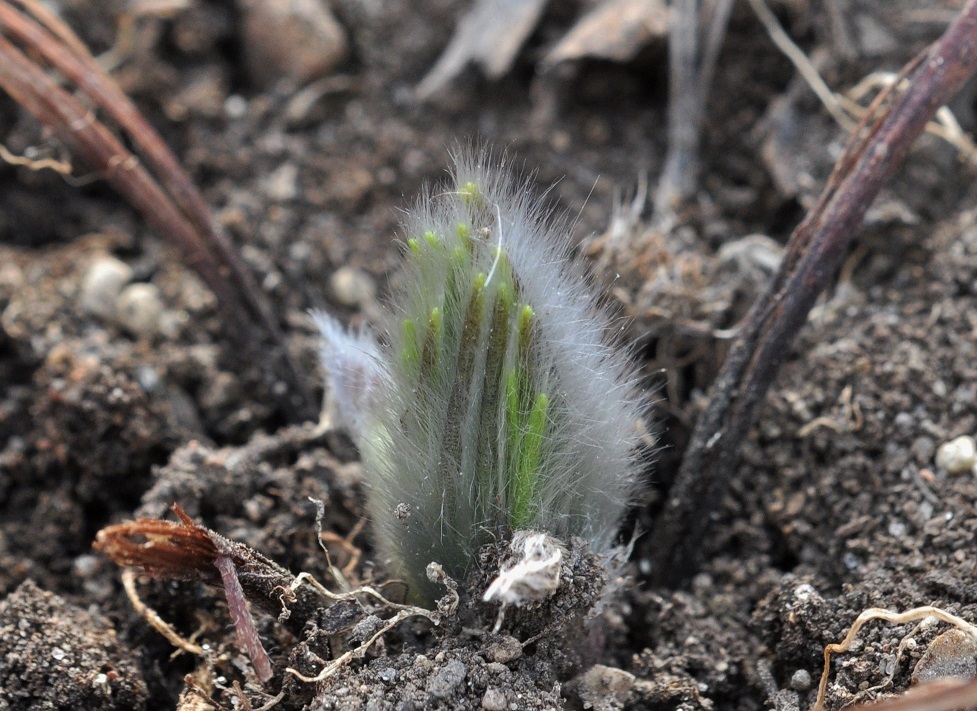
[[844, 109], [815, 251], [696, 34], [175, 208]]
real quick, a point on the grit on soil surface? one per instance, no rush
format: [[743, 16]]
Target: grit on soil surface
[[838, 504]]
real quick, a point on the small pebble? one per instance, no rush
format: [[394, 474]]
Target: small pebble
[[922, 449], [494, 700], [505, 650], [11, 277], [101, 285], [282, 184], [443, 682], [85, 565], [352, 286], [897, 528], [139, 308], [702, 582], [804, 592], [925, 511], [904, 421], [235, 106], [800, 680], [851, 561], [601, 682], [958, 455], [148, 378]]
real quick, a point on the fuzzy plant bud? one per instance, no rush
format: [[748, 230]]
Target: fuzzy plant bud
[[496, 402]]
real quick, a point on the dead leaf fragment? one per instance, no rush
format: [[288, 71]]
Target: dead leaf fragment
[[490, 35], [298, 39], [616, 30]]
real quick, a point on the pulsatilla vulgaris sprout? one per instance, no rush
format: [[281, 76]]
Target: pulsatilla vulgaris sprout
[[493, 401]]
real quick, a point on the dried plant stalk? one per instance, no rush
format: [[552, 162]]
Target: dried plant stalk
[[814, 253], [186, 551], [177, 210]]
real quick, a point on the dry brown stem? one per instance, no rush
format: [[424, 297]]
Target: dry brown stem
[[168, 200], [814, 254], [947, 695]]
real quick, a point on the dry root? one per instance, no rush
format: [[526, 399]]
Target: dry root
[[896, 618], [404, 612]]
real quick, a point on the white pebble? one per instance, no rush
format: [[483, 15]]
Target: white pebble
[[897, 528], [801, 680], [235, 106], [282, 185], [958, 455], [85, 566], [101, 285], [804, 592], [139, 309], [494, 700], [352, 286]]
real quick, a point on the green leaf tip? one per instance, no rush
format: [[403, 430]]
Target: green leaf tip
[[479, 284], [470, 194], [459, 256], [408, 353]]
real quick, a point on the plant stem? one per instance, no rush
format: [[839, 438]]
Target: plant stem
[[814, 253]]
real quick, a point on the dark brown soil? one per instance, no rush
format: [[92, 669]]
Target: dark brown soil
[[838, 505]]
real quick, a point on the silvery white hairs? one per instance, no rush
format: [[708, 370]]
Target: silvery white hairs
[[496, 402]]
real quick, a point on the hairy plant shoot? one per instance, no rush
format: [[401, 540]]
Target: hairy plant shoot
[[495, 403]]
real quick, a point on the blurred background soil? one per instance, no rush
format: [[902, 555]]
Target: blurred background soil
[[120, 392]]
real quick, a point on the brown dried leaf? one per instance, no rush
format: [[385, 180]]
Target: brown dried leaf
[[188, 551], [616, 30], [490, 35], [163, 549]]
